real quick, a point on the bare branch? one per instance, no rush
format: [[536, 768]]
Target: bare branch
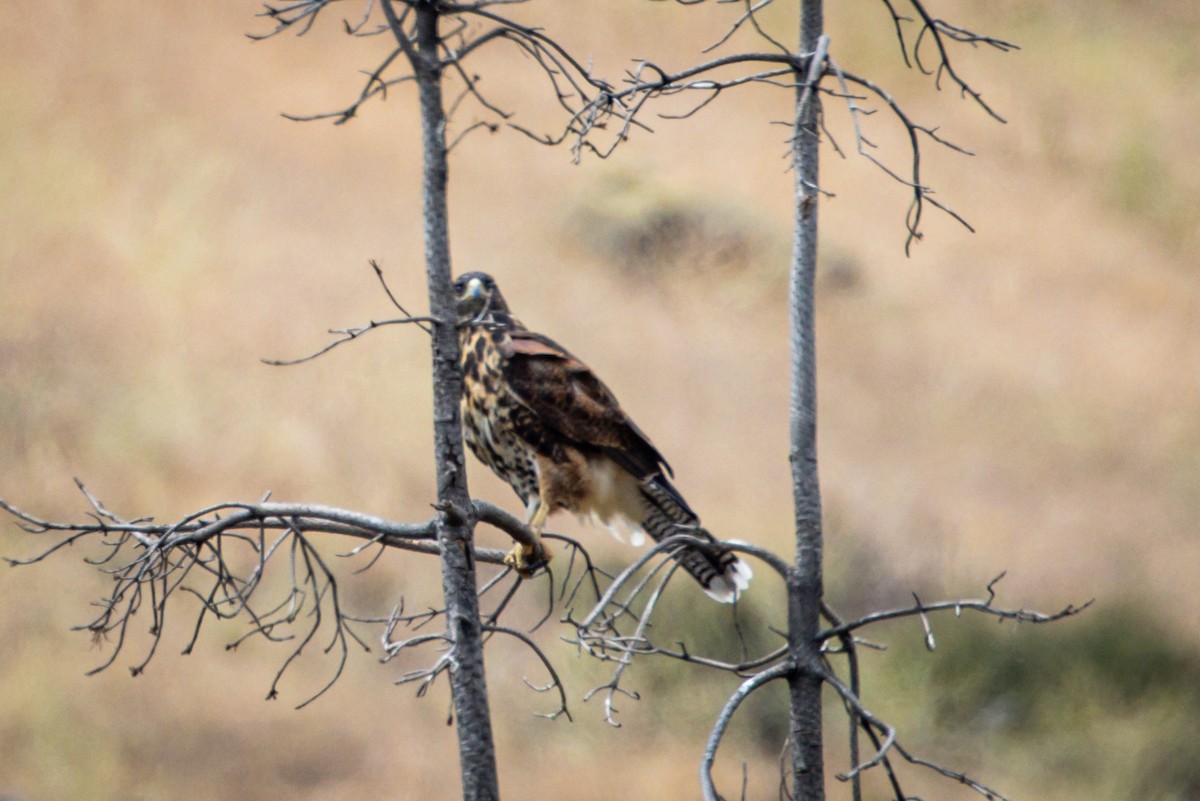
[[150, 562], [851, 651], [930, 642], [747, 688], [921, 194], [867, 719], [897, 22], [625, 653], [555, 681], [345, 335], [979, 605], [509, 523], [747, 16], [391, 296], [874, 726], [982, 789], [375, 85], [937, 31], [302, 14]]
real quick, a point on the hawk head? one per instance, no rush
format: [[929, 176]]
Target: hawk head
[[478, 297]]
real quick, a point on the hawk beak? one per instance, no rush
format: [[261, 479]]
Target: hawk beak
[[474, 290], [473, 301]]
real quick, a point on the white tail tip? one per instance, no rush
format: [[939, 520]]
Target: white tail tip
[[726, 587]]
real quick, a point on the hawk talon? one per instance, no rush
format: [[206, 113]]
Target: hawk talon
[[527, 560]]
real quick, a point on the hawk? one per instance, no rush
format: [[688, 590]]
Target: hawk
[[543, 422]]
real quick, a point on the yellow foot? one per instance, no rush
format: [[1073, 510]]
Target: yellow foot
[[528, 559]]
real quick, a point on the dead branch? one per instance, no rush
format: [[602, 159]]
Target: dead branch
[[882, 734], [219, 556], [983, 605], [600, 635], [555, 682], [601, 116], [938, 31], [624, 659], [345, 335], [747, 688], [921, 194]]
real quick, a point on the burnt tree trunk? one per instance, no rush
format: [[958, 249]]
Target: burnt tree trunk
[[805, 583], [468, 686]]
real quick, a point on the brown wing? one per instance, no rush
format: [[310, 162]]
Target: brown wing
[[569, 399]]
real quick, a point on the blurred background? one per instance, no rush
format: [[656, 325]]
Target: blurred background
[[1024, 398]]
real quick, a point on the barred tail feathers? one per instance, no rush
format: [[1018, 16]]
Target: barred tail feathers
[[717, 569]]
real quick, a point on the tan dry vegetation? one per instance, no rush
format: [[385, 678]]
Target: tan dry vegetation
[[1026, 398]]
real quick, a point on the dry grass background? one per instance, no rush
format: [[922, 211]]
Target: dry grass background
[[1025, 398]]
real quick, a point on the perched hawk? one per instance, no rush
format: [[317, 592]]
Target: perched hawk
[[543, 422]]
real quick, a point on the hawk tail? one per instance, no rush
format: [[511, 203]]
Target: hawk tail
[[717, 569]]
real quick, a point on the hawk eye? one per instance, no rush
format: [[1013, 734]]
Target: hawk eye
[[489, 283]]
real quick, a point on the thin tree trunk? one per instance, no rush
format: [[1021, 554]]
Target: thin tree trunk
[[468, 686], [804, 592]]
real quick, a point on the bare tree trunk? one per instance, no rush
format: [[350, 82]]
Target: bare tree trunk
[[804, 592], [468, 686]]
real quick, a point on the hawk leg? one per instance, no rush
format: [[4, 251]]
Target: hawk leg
[[528, 559]]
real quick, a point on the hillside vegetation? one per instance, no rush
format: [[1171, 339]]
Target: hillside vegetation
[[1024, 398]]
